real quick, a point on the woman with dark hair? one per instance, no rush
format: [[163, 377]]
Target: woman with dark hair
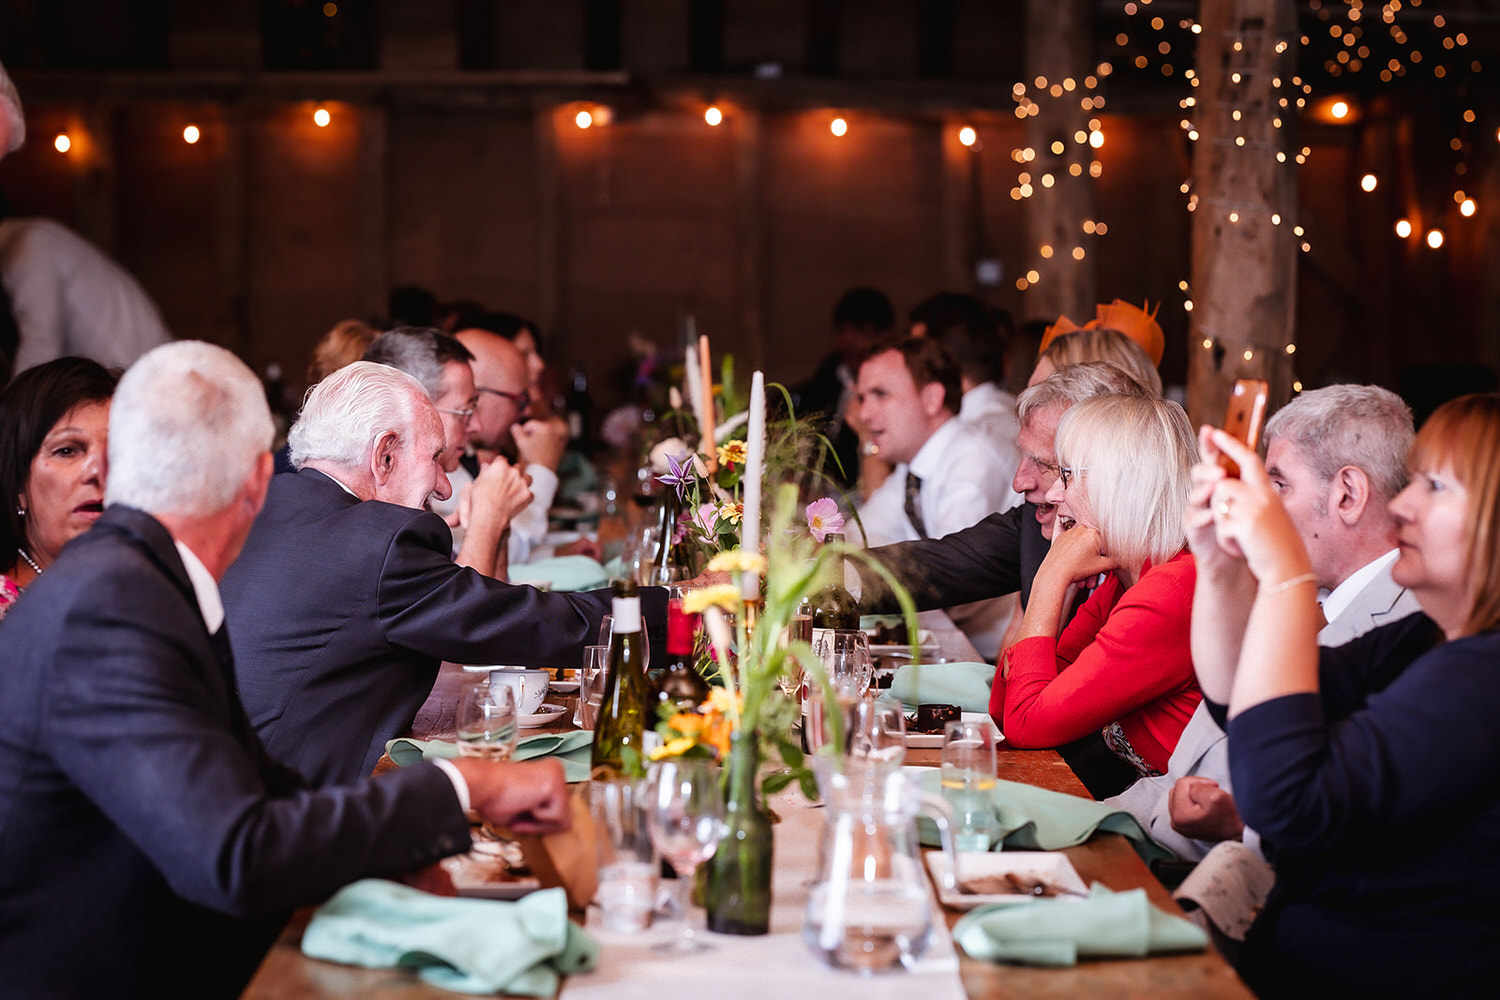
[[54, 438], [1371, 770]]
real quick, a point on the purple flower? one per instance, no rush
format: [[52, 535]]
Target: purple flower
[[824, 518], [678, 474]]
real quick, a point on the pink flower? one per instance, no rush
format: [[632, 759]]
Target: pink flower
[[707, 517], [824, 519]]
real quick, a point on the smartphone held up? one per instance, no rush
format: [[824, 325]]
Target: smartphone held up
[[1244, 418]]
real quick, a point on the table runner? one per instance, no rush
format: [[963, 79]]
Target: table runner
[[776, 964]]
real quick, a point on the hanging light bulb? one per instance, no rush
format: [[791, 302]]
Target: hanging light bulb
[[967, 136], [1369, 182], [713, 115], [838, 126], [1467, 207], [190, 134], [62, 143], [1403, 228], [321, 117], [1435, 238]]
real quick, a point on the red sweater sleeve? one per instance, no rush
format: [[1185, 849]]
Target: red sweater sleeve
[[1123, 657]]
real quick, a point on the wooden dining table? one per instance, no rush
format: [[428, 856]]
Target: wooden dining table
[[287, 974]]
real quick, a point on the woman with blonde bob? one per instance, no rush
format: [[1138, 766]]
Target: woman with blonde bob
[[1129, 680], [1098, 344], [1372, 770]]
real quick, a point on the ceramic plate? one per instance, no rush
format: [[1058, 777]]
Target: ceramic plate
[[1051, 867], [934, 741], [564, 687], [544, 715], [482, 875]]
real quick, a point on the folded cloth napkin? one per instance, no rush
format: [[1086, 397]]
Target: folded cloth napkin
[[1036, 819], [966, 685], [1059, 932], [562, 573], [469, 945], [573, 749]]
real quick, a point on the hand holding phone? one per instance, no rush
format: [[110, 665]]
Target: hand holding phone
[[1244, 418]]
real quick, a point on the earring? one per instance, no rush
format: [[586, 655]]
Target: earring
[[21, 511]]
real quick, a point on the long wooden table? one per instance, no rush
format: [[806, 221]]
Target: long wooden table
[[287, 974]]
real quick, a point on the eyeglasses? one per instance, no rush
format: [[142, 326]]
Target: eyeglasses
[[1066, 474], [465, 413], [1051, 468], [522, 399]]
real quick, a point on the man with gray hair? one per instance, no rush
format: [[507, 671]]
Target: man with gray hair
[[1337, 456], [137, 806], [345, 601]]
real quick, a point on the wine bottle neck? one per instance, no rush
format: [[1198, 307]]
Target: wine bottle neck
[[627, 614]]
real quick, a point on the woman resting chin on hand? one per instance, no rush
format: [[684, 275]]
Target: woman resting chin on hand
[[1129, 681], [1370, 770]]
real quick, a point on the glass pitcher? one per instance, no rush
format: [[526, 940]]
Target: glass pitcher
[[870, 910]]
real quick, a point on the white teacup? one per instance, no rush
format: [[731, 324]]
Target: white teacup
[[529, 685]]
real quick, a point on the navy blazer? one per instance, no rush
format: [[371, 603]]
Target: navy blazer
[[141, 821], [997, 556], [341, 612]]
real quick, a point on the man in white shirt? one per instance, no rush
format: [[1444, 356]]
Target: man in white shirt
[[947, 476], [1337, 456]]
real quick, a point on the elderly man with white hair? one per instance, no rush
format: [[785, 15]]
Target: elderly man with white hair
[[139, 812], [345, 600]]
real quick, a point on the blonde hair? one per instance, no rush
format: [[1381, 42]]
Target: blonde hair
[[1463, 435], [343, 345], [1133, 455], [1101, 344]]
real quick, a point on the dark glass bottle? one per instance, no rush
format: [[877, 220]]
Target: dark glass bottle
[[832, 607], [666, 562], [624, 714], [579, 408], [679, 684]]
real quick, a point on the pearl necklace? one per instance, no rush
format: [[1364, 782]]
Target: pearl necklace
[[29, 561]]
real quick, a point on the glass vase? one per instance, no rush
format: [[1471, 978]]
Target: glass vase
[[737, 893]]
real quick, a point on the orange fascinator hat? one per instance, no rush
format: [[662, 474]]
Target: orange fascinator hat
[[1062, 327], [1137, 324]]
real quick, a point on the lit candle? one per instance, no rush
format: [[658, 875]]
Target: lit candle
[[755, 460], [705, 368]]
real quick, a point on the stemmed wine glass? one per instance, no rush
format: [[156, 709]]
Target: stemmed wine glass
[[487, 724], [685, 819], [877, 732], [607, 631], [846, 660]]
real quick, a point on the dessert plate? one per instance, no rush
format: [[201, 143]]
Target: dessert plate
[[934, 741], [1050, 869]]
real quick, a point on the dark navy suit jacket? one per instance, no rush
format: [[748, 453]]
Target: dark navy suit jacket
[[141, 822], [342, 610]]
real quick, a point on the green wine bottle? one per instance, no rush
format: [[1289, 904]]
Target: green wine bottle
[[832, 607], [625, 711]]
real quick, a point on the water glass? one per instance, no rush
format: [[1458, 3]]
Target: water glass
[[487, 725], [627, 859], [685, 817], [876, 732], [591, 686], [968, 781], [846, 660]]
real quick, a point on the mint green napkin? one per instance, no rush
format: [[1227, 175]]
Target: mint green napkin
[[1058, 932], [469, 945], [1036, 819], [573, 749], [966, 685], [568, 573]]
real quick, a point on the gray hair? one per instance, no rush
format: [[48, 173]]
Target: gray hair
[[1075, 383], [420, 351], [1133, 454], [1103, 344], [10, 105], [188, 424], [1364, 426], [346, 413]]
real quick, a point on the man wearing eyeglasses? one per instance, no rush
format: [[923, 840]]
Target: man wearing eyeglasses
[[501, 378], [491, 505]]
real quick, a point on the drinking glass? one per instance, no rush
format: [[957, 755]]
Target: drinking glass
[[591, 686], [685, 817], [968, 778], [607, 631], [877, 732], [846, 659], [487, 724], [627, 863]]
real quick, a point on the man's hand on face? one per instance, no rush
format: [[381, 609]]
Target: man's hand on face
[[541, 442]]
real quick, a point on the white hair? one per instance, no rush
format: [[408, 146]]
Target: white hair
[[346, 413], [1133, 454], [1360, 425], [188, 424], [1072, 385], [10, 105]]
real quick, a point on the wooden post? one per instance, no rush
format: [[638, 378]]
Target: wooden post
[[1244, 199], [1059, 43]]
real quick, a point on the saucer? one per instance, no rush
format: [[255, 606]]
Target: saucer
[[544, 715]]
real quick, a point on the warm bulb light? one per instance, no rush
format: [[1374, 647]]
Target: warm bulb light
[[1467, 207], [1403, 228], [583, 119], [838, 126], [713, 115], [190, 134], [1435, 238], [967, 136], [1339, 110], [1096, 139], [62, 143], [1368, 182], [321, 117]]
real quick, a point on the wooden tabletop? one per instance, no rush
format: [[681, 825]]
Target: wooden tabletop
[[287, 974]]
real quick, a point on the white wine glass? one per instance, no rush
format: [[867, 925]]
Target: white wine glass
[[487, 723], [685, 818]]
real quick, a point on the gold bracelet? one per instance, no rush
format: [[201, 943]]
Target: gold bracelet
[[1295, 581]]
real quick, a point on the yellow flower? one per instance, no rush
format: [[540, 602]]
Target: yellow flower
[[732, 454], [737, 561], [724, 595], [687, 723], [731, 512], [673, 748], [721, 701]]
